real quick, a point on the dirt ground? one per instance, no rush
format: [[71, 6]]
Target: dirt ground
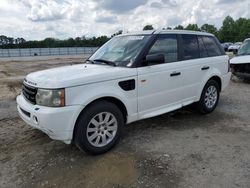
[[179, 149]]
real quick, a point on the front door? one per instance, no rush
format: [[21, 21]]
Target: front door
[[159, 85]]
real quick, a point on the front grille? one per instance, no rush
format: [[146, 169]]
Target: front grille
[[29, 93]]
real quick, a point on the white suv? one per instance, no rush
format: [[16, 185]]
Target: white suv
[[131, 77]]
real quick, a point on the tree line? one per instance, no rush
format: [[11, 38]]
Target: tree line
[[230, 31], [8, 42]]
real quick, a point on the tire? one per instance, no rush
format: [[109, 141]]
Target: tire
[[92, 134], [207, 102]]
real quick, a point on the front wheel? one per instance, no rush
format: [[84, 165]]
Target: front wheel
[[209, 97], [99, 127]]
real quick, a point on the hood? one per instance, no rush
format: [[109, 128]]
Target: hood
[[240, 59], [74, 75]]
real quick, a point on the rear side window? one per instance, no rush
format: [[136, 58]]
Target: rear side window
[[211, 46], [190, 47], [166, 45], [203, 51]]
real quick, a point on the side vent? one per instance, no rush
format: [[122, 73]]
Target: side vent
[[127, 85]]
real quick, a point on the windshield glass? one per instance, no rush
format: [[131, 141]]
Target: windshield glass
[[121, 49], [245, 48]]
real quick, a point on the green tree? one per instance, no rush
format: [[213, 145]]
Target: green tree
[[210, 29], [48, 42], [227, 32], [231, 31], [179, 27], [243, 29], [193, 27], [3, 40], [148, 27], [117, 33]]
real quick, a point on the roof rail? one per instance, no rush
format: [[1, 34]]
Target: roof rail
[[157, 31]]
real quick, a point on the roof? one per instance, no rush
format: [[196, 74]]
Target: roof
[[146, 32], [149, 32]]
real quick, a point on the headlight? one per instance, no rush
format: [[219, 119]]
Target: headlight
[[51, 98]]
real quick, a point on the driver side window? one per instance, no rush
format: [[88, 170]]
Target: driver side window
[[166, 45]]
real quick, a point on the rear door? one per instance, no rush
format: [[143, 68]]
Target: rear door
[[192, 67], [203, 58]]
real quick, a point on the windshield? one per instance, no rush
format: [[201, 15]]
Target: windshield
[[121, 49], [245, 48]]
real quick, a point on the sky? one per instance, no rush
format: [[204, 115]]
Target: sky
[[38, 19]]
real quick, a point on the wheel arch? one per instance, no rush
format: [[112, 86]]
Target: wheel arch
[[111, 99], [211, 77], [217, 79]]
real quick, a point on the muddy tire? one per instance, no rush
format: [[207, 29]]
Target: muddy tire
[[99, 127], [209, 97]]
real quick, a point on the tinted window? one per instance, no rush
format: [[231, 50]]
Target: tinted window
[[190, 47], [166, 45], [203, 51], [211, 46]]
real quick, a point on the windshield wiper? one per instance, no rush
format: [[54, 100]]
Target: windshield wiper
[[106, 62], [91, 61]]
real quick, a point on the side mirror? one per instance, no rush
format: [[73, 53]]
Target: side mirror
[[155, 59]]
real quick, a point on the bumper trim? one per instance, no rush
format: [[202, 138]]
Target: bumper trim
[[25, 112]]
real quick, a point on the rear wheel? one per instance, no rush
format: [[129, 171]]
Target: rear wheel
[[99, 127], [209, 97]]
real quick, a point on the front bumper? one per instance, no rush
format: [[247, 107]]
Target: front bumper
[[242, 75], [241, 70], [57, 123]]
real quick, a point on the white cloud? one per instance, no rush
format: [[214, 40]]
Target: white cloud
[[47, 10], [38, 19]]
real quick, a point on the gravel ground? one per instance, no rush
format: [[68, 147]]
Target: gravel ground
[[179, 149]]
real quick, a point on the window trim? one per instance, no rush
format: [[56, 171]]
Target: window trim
[[219, 45], [182, 49], [201, 37], [148, 47], [139, 60], [222, 52]]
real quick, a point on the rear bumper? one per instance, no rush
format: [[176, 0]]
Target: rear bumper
[[57, 123], [225, 80]]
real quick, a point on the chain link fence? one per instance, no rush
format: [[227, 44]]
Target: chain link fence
[[27, 52]]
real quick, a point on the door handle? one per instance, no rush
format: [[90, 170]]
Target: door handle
[[205, 68], [175, 74]]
